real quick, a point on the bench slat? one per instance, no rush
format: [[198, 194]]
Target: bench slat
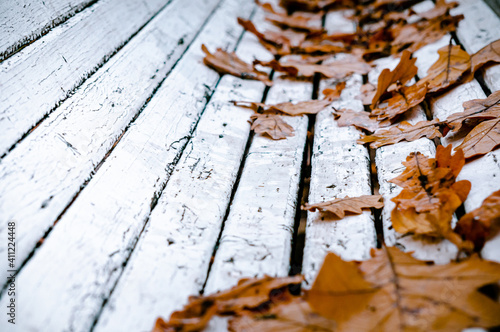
[[43, 74], [20, 24], [50, 166], [82, 259]]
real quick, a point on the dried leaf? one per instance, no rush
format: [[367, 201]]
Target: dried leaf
[[248, 295], [361, 120], [367, 92], [453, 62], [229, 63], [404, 71], [476, 226], [300, 21], [476, 109], [298, 108], [441, 8], [485, 137], [430, 195], [307, 5], [340, 206], [338, 69], [395, 292], [322, 46], [489, 53], [272, 125], [400, 102], [403, 131], [334, 93]]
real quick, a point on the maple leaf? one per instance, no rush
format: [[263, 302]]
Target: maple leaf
[[361, 120], [485, 137], [340, 206], [395, 292], [489, 53], [404, 71], [272, 125], [453, 62], [338, 69], [482, 109], [247, 295], [403, 131], [298, 108], [229, 63], [400, 102], [477, 226], [430, 195]]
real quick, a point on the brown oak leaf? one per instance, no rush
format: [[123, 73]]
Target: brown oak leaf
[[228, 63], [485, 137], [367, 92], [480, 224], [489, 53], [400, 102], [310, 23], [272, 125], [476, 109], [430, 195], [361, 120], [441, 8], [340, 206], [394, 79], [403, 131], [335, 92], [298, 108], [453, 62], [395, 292]]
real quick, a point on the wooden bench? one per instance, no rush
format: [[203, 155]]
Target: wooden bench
[[135, 183]]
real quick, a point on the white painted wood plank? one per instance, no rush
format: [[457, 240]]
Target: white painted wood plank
[[37, 78], [24, 21], [478, 29], [340, 167], [108, 216], [48, 167]]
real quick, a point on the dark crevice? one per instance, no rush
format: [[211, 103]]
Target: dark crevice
[[108, 153], [375, 187], [83, 79]]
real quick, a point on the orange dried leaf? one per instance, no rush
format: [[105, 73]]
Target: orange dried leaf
[[404, 71], [395, 292], [271, 125], [361, 120], [400, 102], [334, 93], [229, 63], [476, 226], [310, 23], [367, 92], [441, 8], [403, 131], [340, 206], [485, 137], [489, 53], [453, 62], [298, 108], [479, 109]]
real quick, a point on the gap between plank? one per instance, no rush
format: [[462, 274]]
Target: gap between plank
[[85, 77]]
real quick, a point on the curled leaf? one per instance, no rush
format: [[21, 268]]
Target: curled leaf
[[228, 63], [400, 102], [361, 120], [334, 93], [298, 108], [489, 53], [272, 125], [485, 137], [340, 206]]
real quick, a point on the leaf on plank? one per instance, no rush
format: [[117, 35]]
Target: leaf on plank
[[485, 137], [482, 223], [476, 109], [340, 206], [312, 46], [272, 125], [249, 294], [430, 195], [307, 5], [338, 69], [394, 79], [453, 62], [310, 23], [489, 53], [361, 120], [395, 292], [229, 63], [367, 92], [335, 92], [290, 108], [403, 131], [440, 8], [400, 102]]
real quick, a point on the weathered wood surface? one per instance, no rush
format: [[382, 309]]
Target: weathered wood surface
[[50, 166], [23, 22], [36, 79], [79, 264], [340, 167]]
